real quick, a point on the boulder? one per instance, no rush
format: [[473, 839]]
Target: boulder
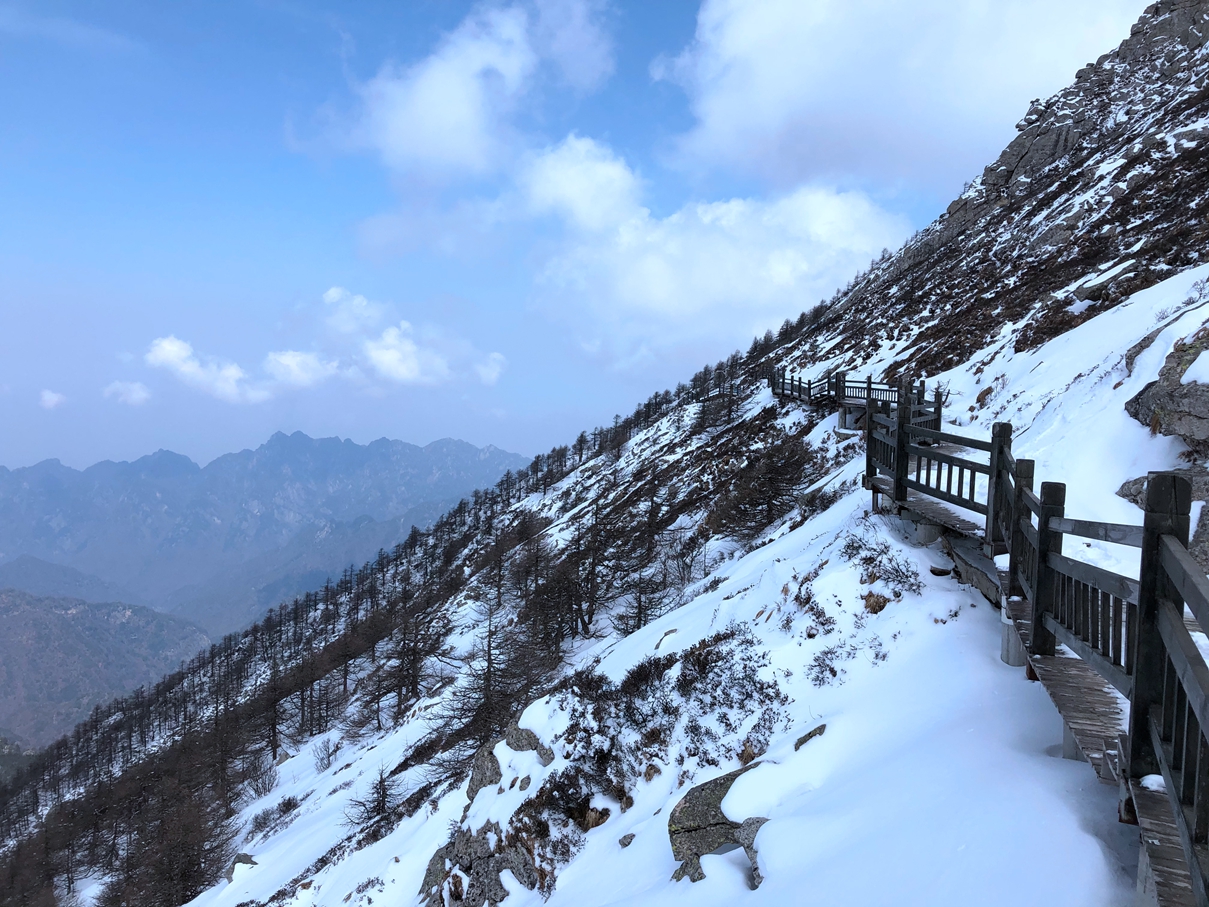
[[1168, 407], [1134, 491], [484, 770], [523, 740], [697, 826], [241, 859]]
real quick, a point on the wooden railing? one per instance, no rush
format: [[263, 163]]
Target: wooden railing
[[840, 390], [1131, 632]]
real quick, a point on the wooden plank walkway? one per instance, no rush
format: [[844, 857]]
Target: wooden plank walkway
[[920, 508], [1164, 850], [1093, 710]]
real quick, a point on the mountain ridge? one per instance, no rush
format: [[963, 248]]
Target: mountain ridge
[[166, 529]]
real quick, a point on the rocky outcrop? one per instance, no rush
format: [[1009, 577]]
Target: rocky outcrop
[[697, 826], [1100, 194], [485, 768], [241, 859], [469, 867], [1134, 491], [1170, 407], [522, 740]]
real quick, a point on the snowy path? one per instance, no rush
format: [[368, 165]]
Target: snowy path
[[940, 782]]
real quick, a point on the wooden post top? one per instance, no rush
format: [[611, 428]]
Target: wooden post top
[[1053, 494], [1168, 493]]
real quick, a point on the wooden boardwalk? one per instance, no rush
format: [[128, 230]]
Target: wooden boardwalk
[[1119, 657]]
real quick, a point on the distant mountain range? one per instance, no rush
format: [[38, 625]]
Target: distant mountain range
[[59, 657], [220, 544]]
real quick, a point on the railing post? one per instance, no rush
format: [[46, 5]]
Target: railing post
[[919, 394], [903, 422], [1023, 480], [939, 404], [1053, 504], [870, 456], [1168, 503], [1001, 441]]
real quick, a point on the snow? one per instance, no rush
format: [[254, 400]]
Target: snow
[[940, 771], [1198, 372]]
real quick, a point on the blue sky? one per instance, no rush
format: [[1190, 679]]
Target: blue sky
[[502, 222]]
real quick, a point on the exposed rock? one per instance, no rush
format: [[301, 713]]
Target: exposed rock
[[241, 859], [626, 840], [282, 757], [697, 826], [1134, 491], [523, 740], [1169, 407], [806, 738], [471, 863], [484, 770], [525, 782]]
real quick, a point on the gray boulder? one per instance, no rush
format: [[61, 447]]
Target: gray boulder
[[1134, 491], [697, 826], [523, 740]]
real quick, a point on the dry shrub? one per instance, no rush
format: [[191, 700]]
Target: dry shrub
[[875, 602]]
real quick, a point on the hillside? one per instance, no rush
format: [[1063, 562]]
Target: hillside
[[171, 532], [61, 657], [513, 705], [46, 580]]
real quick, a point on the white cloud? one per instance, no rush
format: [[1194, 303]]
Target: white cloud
[[717, 270], [351, 312], [583, 181], [48, 399], [397, 357], [882, 89], [224, 380], [298, 369], [571, 35], [490, 369], [132, 393], [449, 113]]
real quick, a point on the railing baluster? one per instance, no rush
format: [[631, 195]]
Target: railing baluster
[[1188, 760]]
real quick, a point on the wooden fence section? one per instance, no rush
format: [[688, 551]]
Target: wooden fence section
[[1131, 633], [857, 399]]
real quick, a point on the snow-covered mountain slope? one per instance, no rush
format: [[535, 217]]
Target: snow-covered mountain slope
[[939, 773], [698, 588], [1100, 195]]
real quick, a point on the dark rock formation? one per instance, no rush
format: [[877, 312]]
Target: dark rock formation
[[471, 864]]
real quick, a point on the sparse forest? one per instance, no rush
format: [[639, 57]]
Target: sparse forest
[[145, 791]]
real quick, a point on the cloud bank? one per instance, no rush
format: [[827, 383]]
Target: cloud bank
[[876, 89]]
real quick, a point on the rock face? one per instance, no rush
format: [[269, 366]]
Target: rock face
[[523, 740], [472, 861], [485, 769], [697, 826], [1172, 408]]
